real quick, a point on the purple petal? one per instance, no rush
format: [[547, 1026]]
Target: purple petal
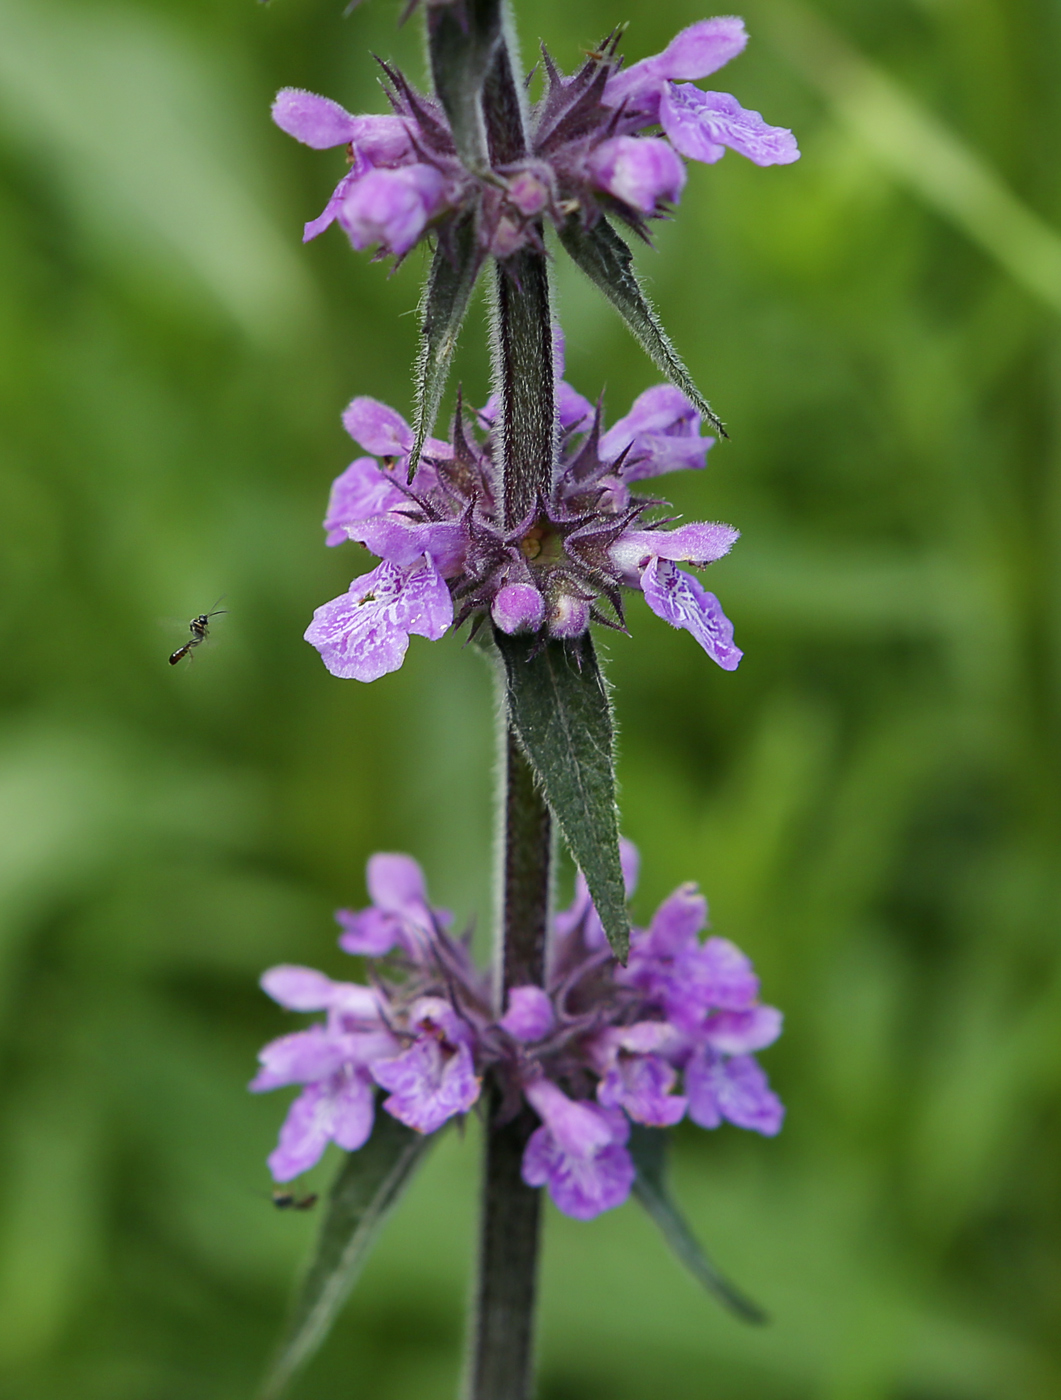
[[736, 1089], [365, 633], [726, 975], [661, 409], [368, 933], [401, 541], [304, 1135], [578, 1127], [396, 882], [581, 1187], [678, 920], [392, 207], [341, 1107], [298, 988], [518, 607], [742, 1032], [702, 124], [639, 171], [353, 1111], [682, 601], [383, 140], [529, 1015], [699, 543], [300, 1058], [642, 1085], [330, 212], [571, 407], [364, 489], [436, 1015], [315, 121], [379, 428], [662, 433], [701, 49], [429, 1084]]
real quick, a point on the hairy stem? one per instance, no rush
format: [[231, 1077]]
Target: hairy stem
[[503, 1357], [501, 1364]]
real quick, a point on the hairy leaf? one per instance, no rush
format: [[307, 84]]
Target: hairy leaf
[[558, 705], [368, 1185], [443, 308], [606, 260], [648, 1147], [463, 39]]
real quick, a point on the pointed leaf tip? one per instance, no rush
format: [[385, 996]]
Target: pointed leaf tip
[[607, 261], [558, 704], [369, 1184], [648, 1147]]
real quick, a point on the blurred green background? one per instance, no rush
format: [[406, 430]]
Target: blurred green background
[[870, 802]]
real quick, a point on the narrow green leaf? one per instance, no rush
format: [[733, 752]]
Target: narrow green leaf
[[648, 1147], [462, 40], [559, 706], [368, 1185], [443, 308], [606, 260]]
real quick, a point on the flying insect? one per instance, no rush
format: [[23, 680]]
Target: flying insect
[[200, 630]]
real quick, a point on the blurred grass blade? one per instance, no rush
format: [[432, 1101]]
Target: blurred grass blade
[[606, 260], [920, 150], [444, 306], [368, 1185], [648, 1147], [559, 706]]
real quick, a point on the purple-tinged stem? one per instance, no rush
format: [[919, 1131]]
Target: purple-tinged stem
[[502, 1360]]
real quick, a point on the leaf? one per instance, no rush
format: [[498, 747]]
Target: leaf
[[463, 40], [648, 1147], [444, 306], [559, 707], [606, 260], [368, 1185]]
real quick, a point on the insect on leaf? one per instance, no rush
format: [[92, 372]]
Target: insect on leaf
[[559, 707], [606, 260], [648, 1147], [443, 308], [368, 1185]]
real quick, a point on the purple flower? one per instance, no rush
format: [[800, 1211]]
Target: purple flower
[[635, 1077], [579, 1152], [586, 157], [701, 49], [399, 912], [435, 1078], [448, 556], [594, 1049], [332, 1061], [365, 633]]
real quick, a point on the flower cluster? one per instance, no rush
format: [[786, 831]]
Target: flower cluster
[[587, 151], [597, 1048], [447, 555]]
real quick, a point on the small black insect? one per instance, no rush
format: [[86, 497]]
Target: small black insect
[[287, 1200], [200, 628]]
